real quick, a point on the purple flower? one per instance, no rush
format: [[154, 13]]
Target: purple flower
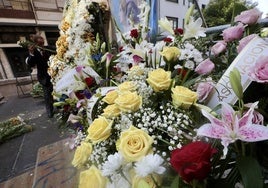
[[79, 68], [244, 41], [80, 103], [233, 33], [203, 90], [259, 71], [218, 48], [232, 127], [87, 94], [249, 16], [205, 67], [109, 57], [137, 59]]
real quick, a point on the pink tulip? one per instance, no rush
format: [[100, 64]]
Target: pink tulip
[[244, 41], [232, 127], [203, 90], [233, 33], [259, 71], [218, 48], [249, 16], [205, 67]]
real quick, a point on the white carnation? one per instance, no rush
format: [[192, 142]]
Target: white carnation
[[113, 164], [150, 164]]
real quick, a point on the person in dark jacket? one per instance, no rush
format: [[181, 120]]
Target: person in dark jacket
[[39, 57]]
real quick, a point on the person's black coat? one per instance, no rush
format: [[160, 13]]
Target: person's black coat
[[41, 62]]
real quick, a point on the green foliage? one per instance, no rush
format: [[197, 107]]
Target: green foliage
[[249, 167], [221, 12], [13, 127], [235, 80], [37, 90]]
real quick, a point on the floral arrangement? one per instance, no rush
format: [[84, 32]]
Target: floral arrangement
[[13, 127], [81, 47], [153, 128], [77, 35]]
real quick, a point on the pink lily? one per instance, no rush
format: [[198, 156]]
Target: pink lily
[[231, 127]]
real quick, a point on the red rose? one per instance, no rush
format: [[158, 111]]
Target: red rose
[[134, 33], [121, 48], [182, 72], [168, 40], [192, 161], [178, 31], [89, 81], [66, 108], [80, 95]]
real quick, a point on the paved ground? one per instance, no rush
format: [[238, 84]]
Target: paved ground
[[19, 154]]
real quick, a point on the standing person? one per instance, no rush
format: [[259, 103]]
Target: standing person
[[39, 58]]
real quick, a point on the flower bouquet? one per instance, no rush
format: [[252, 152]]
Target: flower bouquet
[[13, 127], [153, 127]]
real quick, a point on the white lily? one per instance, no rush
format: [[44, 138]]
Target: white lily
[[194, 29], [165, 24]]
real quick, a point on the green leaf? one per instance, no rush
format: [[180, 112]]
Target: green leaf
[[175, 182], [235, 80], [250, 172], [76, 78]]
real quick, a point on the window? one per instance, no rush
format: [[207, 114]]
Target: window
[[16, 58], [174, 1], [5, 4], [16, 5], [174, 21]]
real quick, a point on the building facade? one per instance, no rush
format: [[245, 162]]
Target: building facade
[[21, 18], [175, 10], [18, 20]]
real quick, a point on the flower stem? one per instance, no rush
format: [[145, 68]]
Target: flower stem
[[124, 176], [155, 182], [243, 149]]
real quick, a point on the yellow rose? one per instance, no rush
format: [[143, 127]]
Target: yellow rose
[[81, 154], [159, 79], [146, 182], [92, 178], [127, 86], [99, 130], [110, 97], [170, 53], [128, 101], [183, 97], [111, 111], [134, 143]]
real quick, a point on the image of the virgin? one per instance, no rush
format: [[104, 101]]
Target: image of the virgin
[[125, 13]]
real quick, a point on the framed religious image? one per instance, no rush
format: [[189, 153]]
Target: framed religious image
[[125, 13]]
